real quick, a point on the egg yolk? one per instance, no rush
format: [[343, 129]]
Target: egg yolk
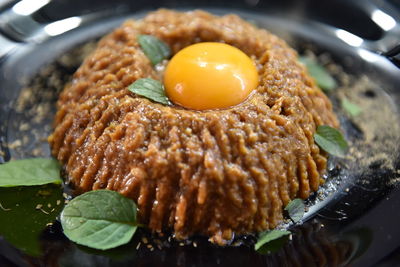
[[210, 76]]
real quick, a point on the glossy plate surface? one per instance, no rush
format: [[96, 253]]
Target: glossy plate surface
[[353, 217]]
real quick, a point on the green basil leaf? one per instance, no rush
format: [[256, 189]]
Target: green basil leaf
[[100, 219], [295, 209], [331, 140], [24, 213], [324, 80], [351, 108], [271, 241], [155, 49], [151, 89], [35, 171]]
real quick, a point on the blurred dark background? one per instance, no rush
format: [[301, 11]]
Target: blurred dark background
[[344, 14]]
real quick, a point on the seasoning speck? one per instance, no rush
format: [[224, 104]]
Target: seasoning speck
[[5, 209], [45, 212], [15, 144]]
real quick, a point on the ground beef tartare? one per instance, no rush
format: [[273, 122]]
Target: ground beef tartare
[[214, 172]]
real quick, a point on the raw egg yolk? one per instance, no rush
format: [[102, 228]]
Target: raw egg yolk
[[210, 76]]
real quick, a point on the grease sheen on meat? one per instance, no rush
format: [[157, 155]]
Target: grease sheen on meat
[[216, 172]]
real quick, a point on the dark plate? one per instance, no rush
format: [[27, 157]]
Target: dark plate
[[351, 219]]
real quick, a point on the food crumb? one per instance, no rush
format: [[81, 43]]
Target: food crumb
[[195, 244], [5, 209], [138, 246], [37, 152], [234, 244], [58, 202], [39, 206], [188, 131], [25, 139], [44, 193], [24, 126], [45, 212], [144, 240], [15, 144]]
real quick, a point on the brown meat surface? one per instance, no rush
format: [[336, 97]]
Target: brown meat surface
[[215, 172]]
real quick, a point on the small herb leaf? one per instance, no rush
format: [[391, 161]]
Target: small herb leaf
[[151, 89], [271, 241], [351, 108], [324, 80], [295, 209], [25, 172], [155, 49], [331, 140], [100, 219]]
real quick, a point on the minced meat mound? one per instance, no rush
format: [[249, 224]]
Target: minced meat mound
[[215, 173]]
